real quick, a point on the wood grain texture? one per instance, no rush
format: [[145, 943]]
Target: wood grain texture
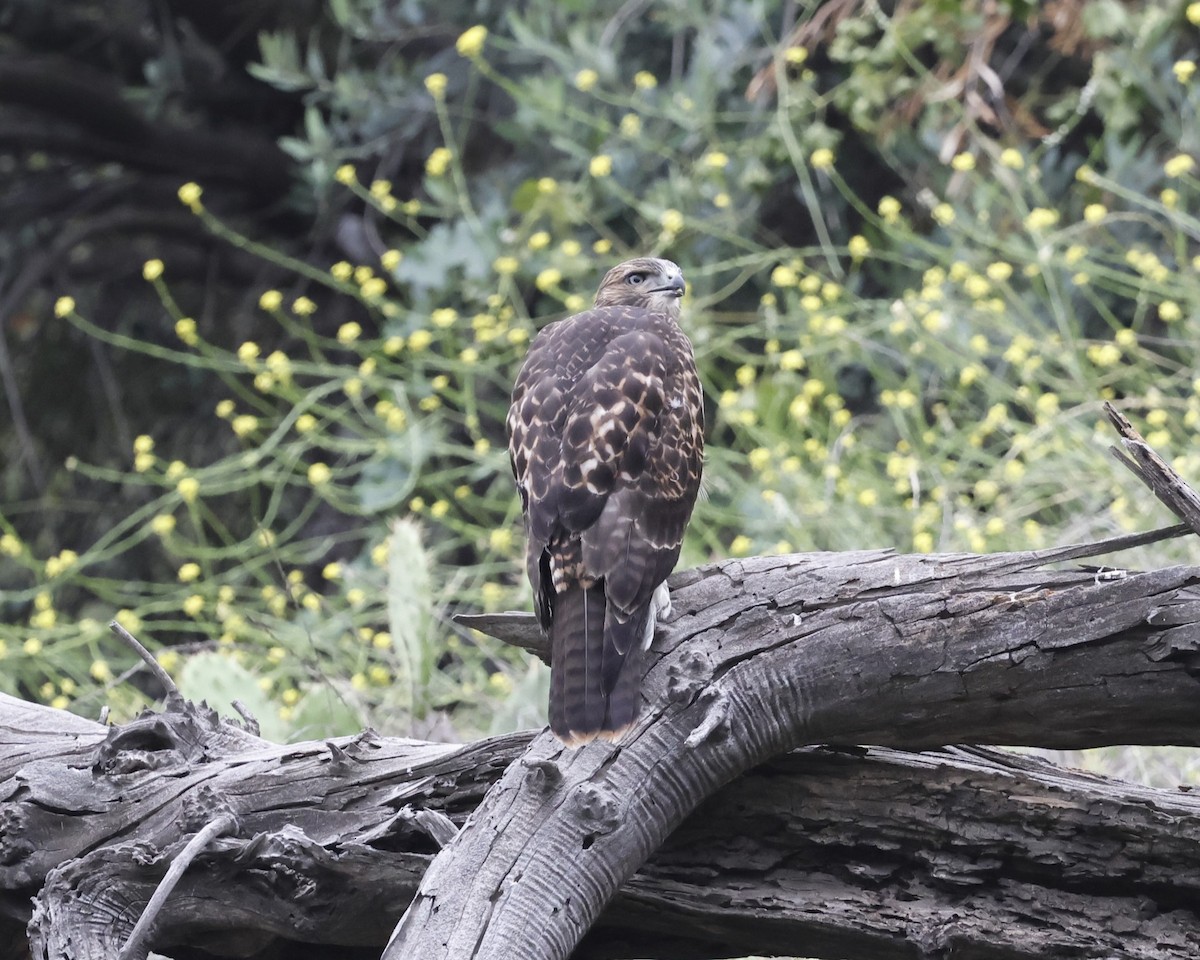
[[867, 853]]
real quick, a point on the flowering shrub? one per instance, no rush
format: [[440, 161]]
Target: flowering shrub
[[905, 331]]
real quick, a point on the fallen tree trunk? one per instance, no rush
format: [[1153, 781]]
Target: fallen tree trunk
[[822, 854], [866, 853]]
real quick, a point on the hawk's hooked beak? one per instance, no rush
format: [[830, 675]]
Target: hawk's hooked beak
[[675, 287]]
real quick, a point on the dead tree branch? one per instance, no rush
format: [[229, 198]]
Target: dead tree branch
[[873, 853]]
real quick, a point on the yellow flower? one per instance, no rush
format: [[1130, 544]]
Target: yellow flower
[[185, 330], [129, 620], [944, 214], [143, 444], [189, 489], [100, 671], [248, 352], [586, 79], [740, 546], [970, 374], [244, 425], [1095, 212], [715, 160], [601, 165], [348, 332], [1193, 14], [345, 174], [644, 80], [193, 606], [784, 276], [722, 200], [1041, 218], [270, 300], [189, 196], [631, 125], [64, 306], [152, 269], [1047, 404], [56, 565], [548, 279], [435, 83], [1178, 165], [443, 317], [821, 159], [858, 247], [1184, 70], [1169, 311], [319, 474], [470, 42], [791, 360], [189, 572], [1012, 159], [795, 56], [419, 340], [373, 288], [999, 271], [671, 220], [143, 462], [963, 161], [506, 266], [303, 307], [341, 271], [438, 162], [889, 209], [162, 524]]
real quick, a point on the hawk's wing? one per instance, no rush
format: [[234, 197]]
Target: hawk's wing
[[606, 440]]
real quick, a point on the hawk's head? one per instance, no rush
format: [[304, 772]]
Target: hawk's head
[[643, 282]]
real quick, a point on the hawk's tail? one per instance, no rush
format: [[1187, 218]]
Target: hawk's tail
[[594, 669]]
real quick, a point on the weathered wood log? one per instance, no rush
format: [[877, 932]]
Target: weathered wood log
[[333, 836], [768, 654], [822, 852]]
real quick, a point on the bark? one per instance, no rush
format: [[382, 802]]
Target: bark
[[865, 853], [768, 654]]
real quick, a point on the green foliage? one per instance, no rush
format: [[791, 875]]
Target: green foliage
[[905, 307]]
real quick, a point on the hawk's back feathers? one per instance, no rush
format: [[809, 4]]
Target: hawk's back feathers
[[606, 440]]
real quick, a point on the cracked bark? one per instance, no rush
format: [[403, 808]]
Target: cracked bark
[[820, 853]]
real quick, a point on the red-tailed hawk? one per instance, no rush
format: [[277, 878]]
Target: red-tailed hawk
[[606, 439]]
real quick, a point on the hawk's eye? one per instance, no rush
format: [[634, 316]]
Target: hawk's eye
[[635, 278]]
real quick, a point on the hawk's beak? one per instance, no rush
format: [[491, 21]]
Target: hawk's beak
[[675, 287]]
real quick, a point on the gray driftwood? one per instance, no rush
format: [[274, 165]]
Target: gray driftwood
[[821, 853], [830, 852]]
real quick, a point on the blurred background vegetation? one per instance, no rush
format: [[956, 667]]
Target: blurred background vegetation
[[267, 271]]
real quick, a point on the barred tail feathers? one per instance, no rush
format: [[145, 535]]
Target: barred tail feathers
[[595, 674]]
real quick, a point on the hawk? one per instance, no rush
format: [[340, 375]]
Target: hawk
[[606, 440]]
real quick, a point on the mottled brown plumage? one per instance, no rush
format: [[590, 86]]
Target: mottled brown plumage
[[606, 440]]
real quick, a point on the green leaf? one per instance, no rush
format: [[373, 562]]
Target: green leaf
[[218, 680]]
